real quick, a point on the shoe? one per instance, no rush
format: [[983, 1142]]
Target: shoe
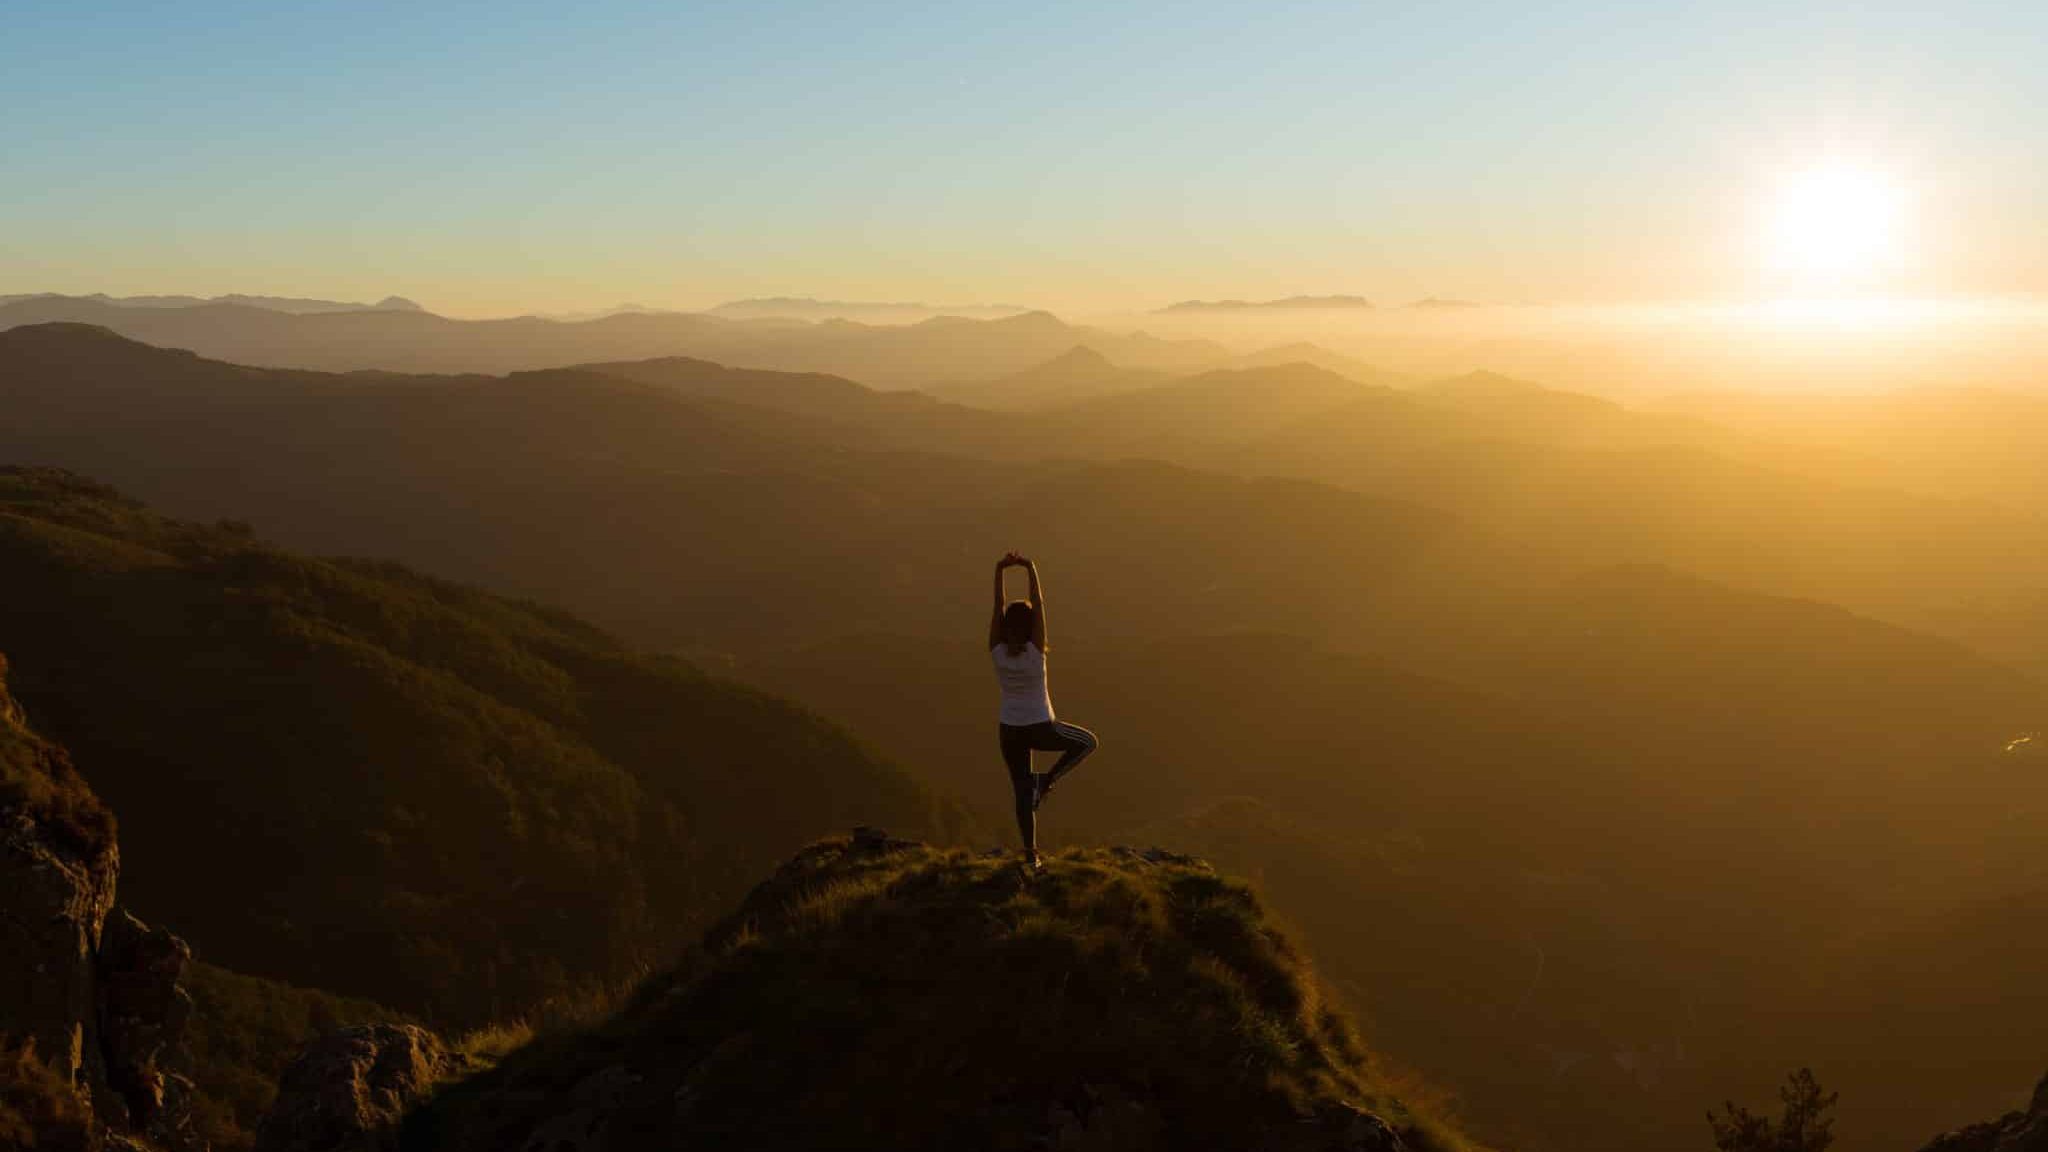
[[1040, 785]]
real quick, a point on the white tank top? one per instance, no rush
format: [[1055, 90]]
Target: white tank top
[[1022, 679]]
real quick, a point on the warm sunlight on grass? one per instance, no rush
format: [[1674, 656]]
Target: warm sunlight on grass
[[1835, 224]]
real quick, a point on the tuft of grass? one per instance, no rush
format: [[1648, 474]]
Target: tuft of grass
[[484, 1047]]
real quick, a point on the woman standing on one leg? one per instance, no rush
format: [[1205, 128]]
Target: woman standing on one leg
[[1016, 642]]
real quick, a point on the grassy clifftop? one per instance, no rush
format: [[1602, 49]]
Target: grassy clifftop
[[37, 778], [878, 993]]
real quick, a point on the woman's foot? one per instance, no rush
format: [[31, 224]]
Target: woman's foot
[[1032, 862], [1040, 785]]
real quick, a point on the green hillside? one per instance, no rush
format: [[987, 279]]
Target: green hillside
[[458, 805]]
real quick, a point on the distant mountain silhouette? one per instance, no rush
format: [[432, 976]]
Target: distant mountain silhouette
[[1080, 373], [942, 350], [520, 482], [1290, 302], [835, 408], [1574, 476], [896, 312], [290, 304], [1302, 353], [627, 308], [1210, 407], [1530, 463]]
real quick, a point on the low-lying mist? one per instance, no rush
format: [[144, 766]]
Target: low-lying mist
[[1641, 351]]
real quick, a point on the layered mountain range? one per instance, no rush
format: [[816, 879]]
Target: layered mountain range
[[1610, 761]]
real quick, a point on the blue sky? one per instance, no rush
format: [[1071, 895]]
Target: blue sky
[[504, 157]]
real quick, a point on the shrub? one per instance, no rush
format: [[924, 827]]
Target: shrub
[[39, 1108]]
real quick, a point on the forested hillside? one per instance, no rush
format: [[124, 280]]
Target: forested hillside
[[459, 805]]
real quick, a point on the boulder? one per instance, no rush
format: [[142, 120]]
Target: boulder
[[143, 1012], [349, 1090]]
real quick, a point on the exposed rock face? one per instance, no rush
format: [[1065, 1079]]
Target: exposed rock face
[[2014, 1132], [348, 1090], [52, 904], [55, 893], [95, 988], [143, 1012]]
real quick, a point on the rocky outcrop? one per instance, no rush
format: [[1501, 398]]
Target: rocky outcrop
[[55, 893], [143, 1013], [52, 904], [56, 890], [2014, 1132], [95, 989], [348, 1091]]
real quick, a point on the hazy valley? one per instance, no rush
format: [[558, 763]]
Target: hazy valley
[[1610, 759]]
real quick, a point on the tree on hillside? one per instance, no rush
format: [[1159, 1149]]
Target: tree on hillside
[[1803, 1126]]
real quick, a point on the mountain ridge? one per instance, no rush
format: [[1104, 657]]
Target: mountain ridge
[[287, 304], [881, 355], [812, 308], [1282, 304]]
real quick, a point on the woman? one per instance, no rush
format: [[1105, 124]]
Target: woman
[[1016, 642]]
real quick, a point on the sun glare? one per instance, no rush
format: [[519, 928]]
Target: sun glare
[[1834, 225]]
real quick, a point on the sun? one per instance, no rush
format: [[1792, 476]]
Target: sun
[[1834, 225]]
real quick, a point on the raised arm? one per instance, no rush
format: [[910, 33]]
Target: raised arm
[[995, 616], [1037, 606]]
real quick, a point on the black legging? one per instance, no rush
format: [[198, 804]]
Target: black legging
[[1019, 741]]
